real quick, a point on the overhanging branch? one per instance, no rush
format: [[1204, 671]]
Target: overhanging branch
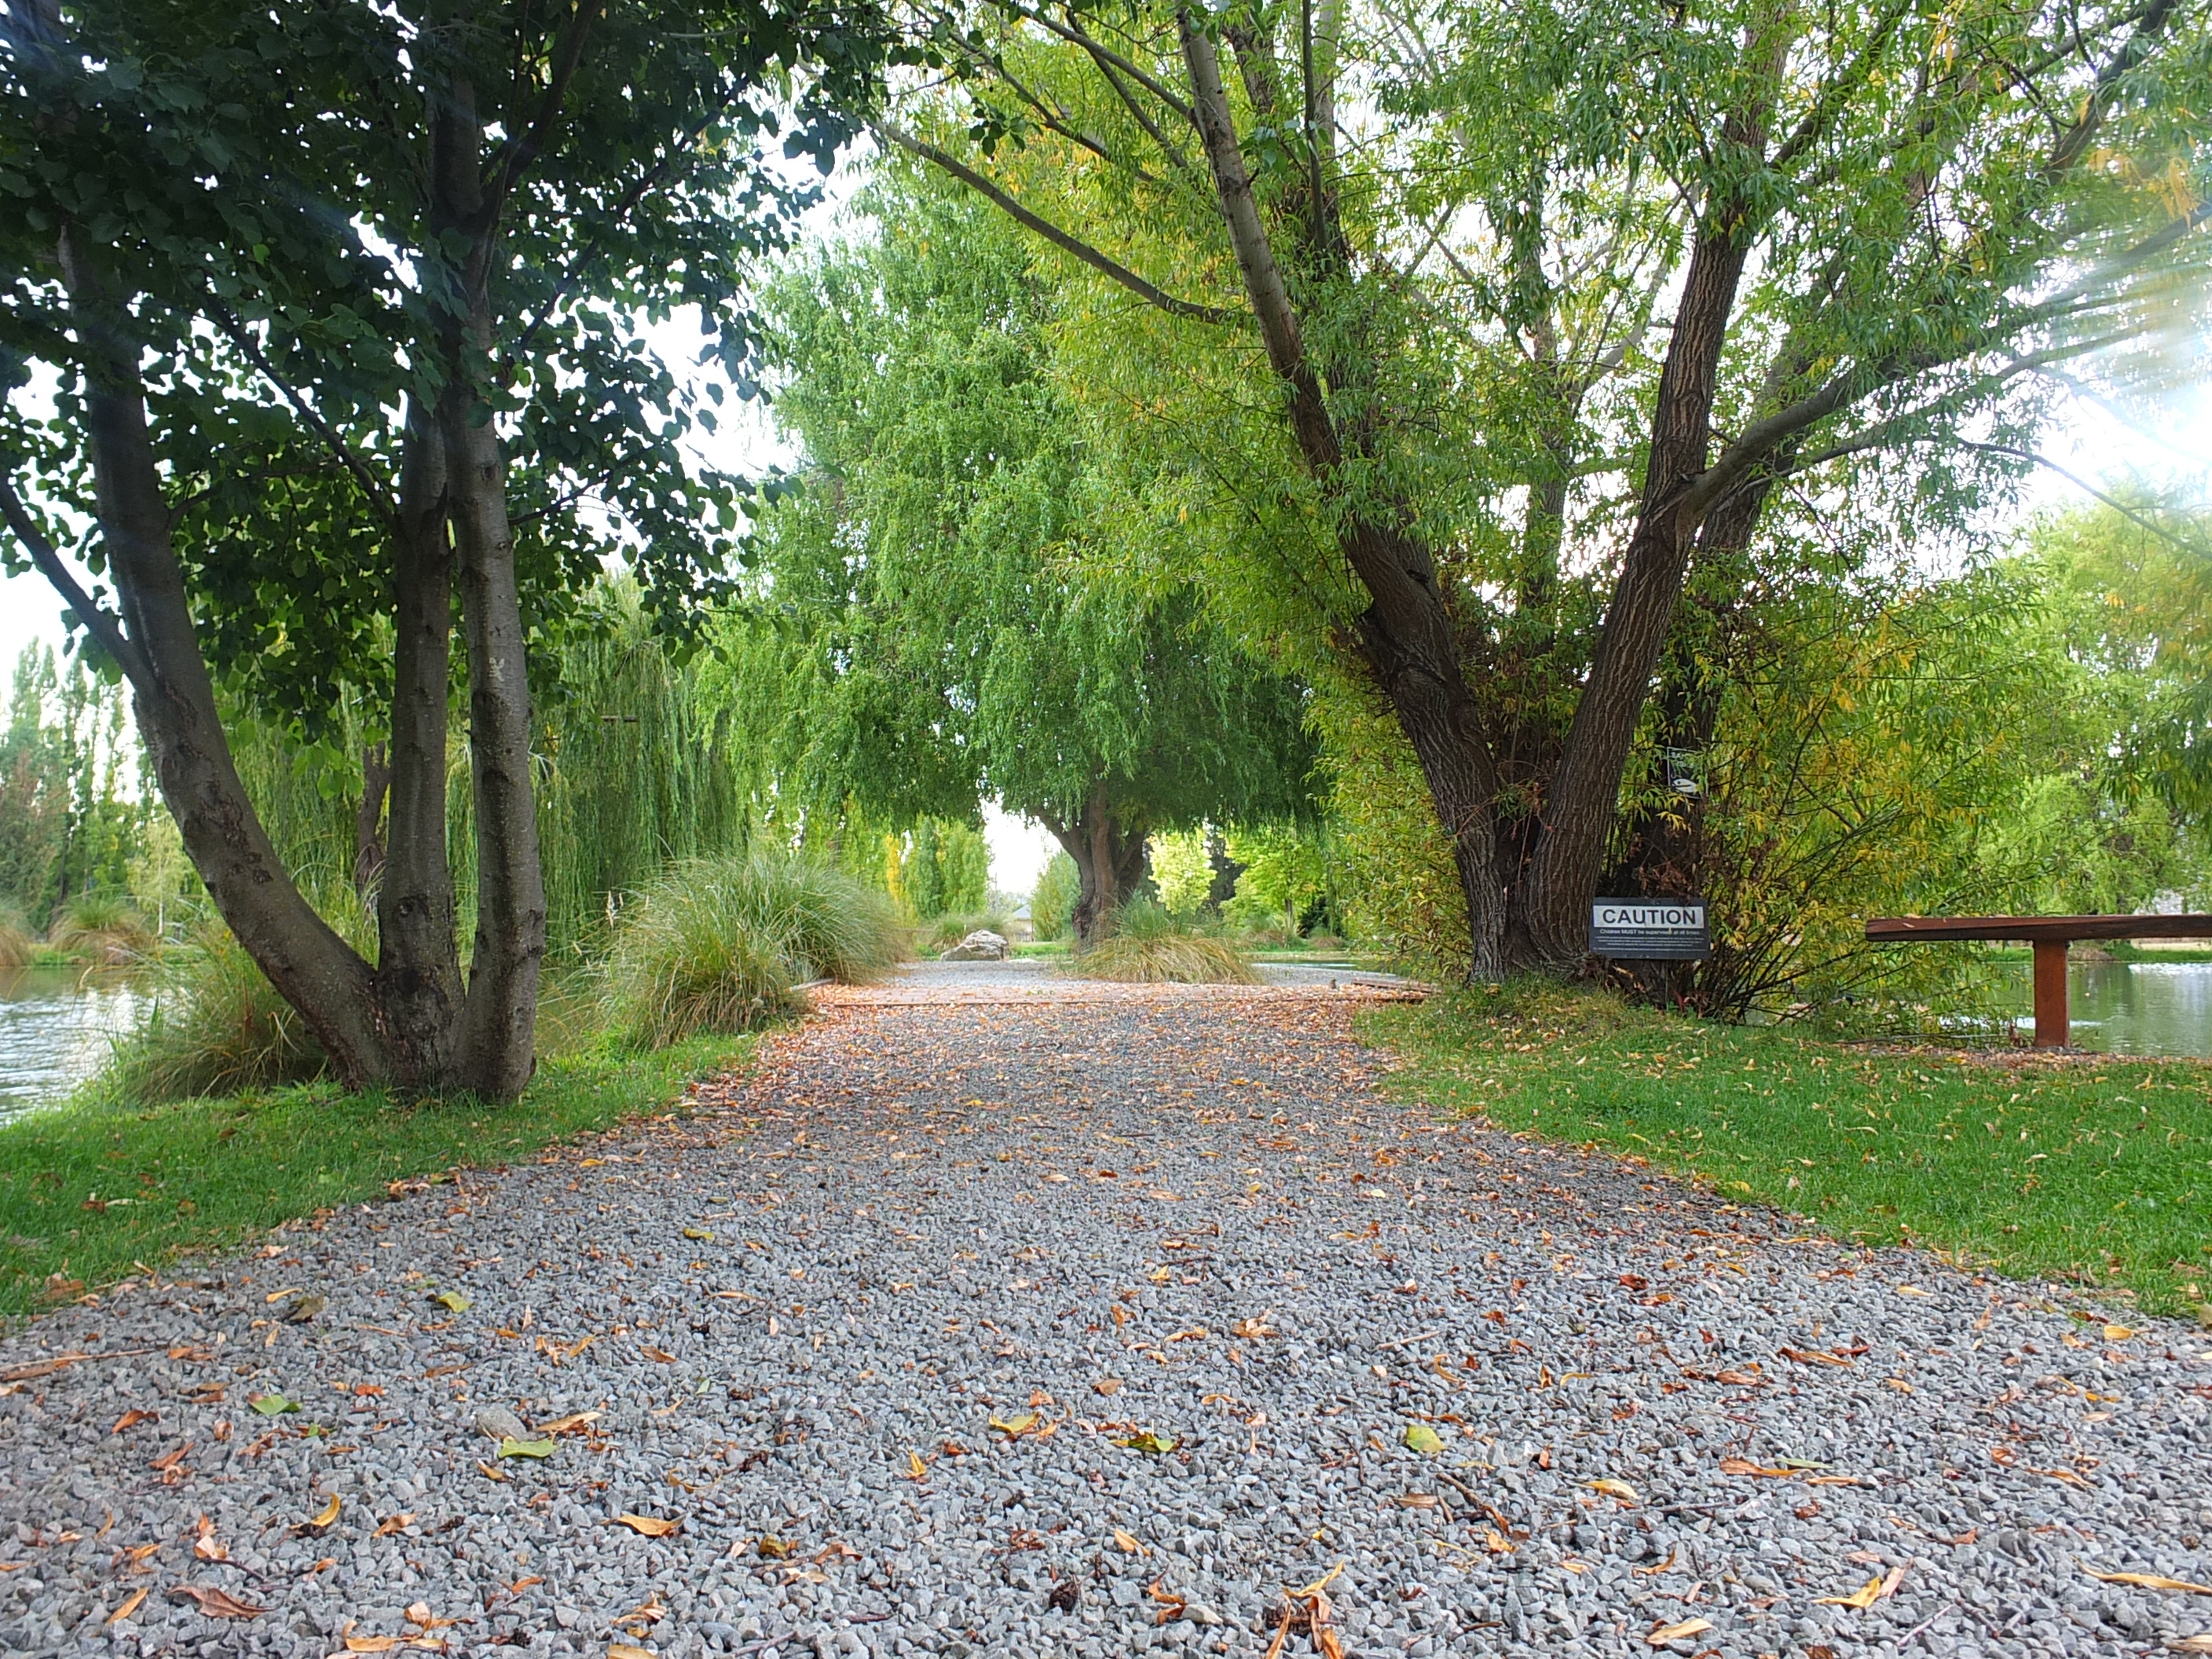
[[102, 625], [1150, 292]]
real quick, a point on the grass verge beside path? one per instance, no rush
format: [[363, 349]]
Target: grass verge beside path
[[92, 1193], [2096, 1173]]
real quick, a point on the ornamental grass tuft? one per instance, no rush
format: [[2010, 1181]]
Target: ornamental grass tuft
[[723, 944], [217, 1026], [1149, 947], [104, 929]]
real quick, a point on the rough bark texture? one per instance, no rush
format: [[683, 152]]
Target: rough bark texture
[[1109, 864], [494, 1049]]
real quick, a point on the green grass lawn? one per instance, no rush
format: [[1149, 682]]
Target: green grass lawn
[[91, 1193], [2099, 1172]]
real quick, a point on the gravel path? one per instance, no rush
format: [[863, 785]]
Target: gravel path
[[1087, 1324]]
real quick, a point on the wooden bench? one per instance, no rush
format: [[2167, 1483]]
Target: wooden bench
[[2051, 935]]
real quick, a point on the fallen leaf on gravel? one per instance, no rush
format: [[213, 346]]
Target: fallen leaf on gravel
[[452, 1301], [649, 1526], [392, 1523], [1417, 1500], [1014, 1427], [1420, 1437], [1127, 1544], [168, 1463], [1612, 1488], [772, 1549], [1666, 1633], [1745, 1466], [1149, 1440], [2067, 1475], [1813, 1356], [418, 1612], [1172, 1604], [705, 1233], [2149, 1581], [302, 1309], [490, 1472], [2117, 1334], [326, 1515], [625, 1650], [132, 1419], [915, 1469], [215, 1601], [1865, 1596], [372, 1643], [130, 1606], [527, 1449], [272, 1405], [570, 1423], [1252, 1330], [1912, 1290], [1106, 1385], [2198, 1644], [207, 1547]]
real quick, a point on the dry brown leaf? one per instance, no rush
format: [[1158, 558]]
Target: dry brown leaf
[[130, 1606], [1252, 1330], [206, 1548], [134, 1417], [1814, 1356], [570, 1423], [1612, 1488], [372, 1643], [1865, 1596], [647, 1525], [626, 1650], [394, 1523], [215, 1601], [1107, 1385], [2150, 1580], [1666, 1633], [1745, 1466], [418, 1612], [2201, 1643]]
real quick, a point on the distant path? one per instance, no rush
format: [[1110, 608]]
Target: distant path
[[1100, 1215]]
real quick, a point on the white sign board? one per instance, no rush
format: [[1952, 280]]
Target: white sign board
[[1650, 930]]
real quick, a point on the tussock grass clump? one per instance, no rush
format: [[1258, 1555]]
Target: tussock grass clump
[[17, 948], [722, 945], [217, 1027], [1148, 947], [102, 929]]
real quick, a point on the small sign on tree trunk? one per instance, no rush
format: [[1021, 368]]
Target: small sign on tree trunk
[[1650, 930]]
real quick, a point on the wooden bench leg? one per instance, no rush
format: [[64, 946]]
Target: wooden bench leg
[[2051, 1015]]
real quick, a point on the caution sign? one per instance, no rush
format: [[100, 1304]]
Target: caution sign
[[1650, 930]]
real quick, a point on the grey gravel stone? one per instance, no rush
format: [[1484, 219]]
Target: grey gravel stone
[[1150, 1285]]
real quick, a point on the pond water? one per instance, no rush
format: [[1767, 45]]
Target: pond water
[[2139, 1007], [56, 1024]]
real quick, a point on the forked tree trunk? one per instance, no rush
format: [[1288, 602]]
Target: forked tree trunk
[[1109, 864]]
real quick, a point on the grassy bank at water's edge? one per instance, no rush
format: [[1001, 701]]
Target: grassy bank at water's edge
[[93, 1193], [2096, 1173]]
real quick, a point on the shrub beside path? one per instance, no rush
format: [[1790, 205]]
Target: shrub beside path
[[1018, 1319]]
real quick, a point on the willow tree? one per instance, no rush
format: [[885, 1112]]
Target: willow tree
[[945, 588], [1512, 314], [340, 307]]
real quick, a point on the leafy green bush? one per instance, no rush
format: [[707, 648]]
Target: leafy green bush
[[102, 928], [217, 1026], [722, 945], [1051, 906]]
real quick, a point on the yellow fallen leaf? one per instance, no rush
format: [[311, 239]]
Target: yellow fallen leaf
[[1666, 1633], [1612, 1488], [2201, 1643], [372, 1643], [1912, 1290], [327, 1514], [2117, 1334], [1127, 1544], [625, 1650], [2150, 1580], [1014, 1427], [647, 1525], [1865, 1596], [130, 1606], [915, 1469]]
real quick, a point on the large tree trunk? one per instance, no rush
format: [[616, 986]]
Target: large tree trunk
[[1109, 864], [494, 1050], [312, 967], [1580, 807]]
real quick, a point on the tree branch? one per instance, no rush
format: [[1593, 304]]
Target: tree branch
[[1059, 238], [567, 53], [1104, 54], [102, 625]]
